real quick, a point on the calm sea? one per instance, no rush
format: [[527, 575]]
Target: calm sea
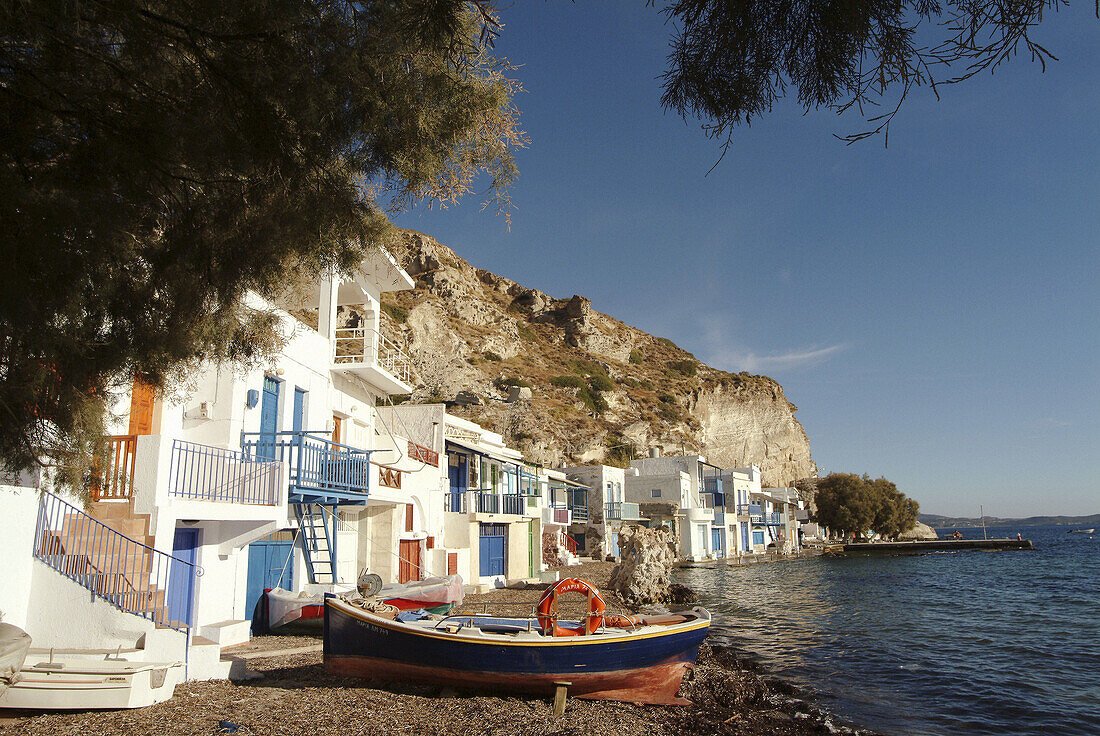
[[1004, 643]]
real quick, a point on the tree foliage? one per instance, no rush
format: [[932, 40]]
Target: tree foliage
[[162, 159], [731, 61], [848, 503]]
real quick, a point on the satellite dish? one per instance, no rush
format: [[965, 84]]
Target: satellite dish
[[368, 584]]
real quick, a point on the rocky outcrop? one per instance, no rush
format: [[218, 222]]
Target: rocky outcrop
[[644, 576], [739, 423], [919, 531], [593, 388]]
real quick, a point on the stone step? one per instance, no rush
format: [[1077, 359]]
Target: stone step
[[227, 633]]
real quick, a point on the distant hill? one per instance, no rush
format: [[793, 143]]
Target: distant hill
[[564, 382], [939, 522]]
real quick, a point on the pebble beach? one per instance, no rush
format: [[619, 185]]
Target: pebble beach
[[294, 695]]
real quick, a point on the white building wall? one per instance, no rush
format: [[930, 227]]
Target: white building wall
[[19, 510]]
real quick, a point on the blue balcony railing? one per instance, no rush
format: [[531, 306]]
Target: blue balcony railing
[[512, 504], [773, 519], [204, 473], [485, 502], [577, 501], [318, 466], [126, 573], [752, 510], [713, 484]]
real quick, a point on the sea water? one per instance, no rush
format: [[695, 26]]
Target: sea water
[[939, 644]]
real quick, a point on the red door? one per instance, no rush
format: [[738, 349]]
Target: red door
[[409, 568]]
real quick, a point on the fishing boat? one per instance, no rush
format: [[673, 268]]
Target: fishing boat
[[73, 683], [633, 659], [436, 595], [1081, 531]]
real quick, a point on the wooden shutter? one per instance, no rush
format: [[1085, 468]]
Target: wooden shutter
[[141, 408], [408, 517], [452, 563]]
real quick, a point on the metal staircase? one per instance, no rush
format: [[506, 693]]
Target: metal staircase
[[318, 525]]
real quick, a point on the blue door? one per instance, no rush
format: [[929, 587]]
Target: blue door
[[299, 408], [744, 536], [614, 546], [578, 537], [716, 541], [180, 597], [492, 549], [269, 566], [269, 418], [456, 468], [758, 537]]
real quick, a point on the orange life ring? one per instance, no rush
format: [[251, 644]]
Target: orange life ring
[[547, 608]]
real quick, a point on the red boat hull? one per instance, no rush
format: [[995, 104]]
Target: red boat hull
[[656, 685]]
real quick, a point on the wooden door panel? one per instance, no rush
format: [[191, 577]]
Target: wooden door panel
[[142, 398]]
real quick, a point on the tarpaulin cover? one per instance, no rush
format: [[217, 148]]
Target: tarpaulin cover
[[431, 592], [14, 643], [284, 607]]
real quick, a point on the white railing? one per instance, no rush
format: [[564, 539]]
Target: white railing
[[354, 345]]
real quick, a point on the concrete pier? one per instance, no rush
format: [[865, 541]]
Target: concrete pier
[[932, 545]]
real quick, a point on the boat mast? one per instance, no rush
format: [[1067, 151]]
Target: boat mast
[[981, 510]]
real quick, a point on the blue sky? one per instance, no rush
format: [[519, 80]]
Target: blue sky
[[932, 307]]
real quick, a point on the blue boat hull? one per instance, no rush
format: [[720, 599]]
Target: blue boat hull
[[641, 667]]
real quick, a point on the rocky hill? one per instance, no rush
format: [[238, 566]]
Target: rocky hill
[[584, 386]]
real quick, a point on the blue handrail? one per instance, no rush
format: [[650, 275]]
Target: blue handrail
[[205, 473], [128, 574], [316, 463]]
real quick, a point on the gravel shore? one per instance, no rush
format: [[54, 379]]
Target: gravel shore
[[294, 695]]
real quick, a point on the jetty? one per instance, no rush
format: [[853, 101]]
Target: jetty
[[927, 545]]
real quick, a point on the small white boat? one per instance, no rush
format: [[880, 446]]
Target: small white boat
[[73, 683], [1081, 531]]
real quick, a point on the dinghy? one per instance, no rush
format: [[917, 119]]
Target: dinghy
[[72, 683]]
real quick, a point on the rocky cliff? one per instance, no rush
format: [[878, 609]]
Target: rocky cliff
[[565, 382]]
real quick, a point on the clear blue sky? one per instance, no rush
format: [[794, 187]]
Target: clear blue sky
[[932, 307]]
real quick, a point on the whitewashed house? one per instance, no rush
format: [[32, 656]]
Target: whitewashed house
[[682, 491], [279, 476], [496, 507], [608, 509]]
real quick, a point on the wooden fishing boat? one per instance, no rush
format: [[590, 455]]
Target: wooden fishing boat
[[643, 660]]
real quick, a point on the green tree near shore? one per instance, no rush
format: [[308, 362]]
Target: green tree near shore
[[848, 503], [160, 160]]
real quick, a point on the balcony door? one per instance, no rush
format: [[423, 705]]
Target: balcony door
[[299, 416], [269, 418], [456, 470]]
